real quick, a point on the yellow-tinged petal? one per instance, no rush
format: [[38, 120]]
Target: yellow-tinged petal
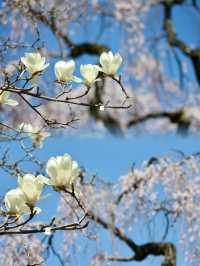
[[34, 63], [110, 63], [90, 73], [62, 171]]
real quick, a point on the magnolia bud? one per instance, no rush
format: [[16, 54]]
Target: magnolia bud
[[32, 187], [89, 73], [34, 63], [110, 63], [15, 202], [64, 71], [62, 171]]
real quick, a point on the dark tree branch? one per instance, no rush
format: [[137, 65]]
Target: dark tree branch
[[176, 117], [76, 49], [173, 40], [141, 252], [67, 227], [20, 91]]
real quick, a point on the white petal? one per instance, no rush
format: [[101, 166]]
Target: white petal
[[43, 179], [89, 72], [51, 168], [104, 61], [76, 79], [116, 62], [64, 70]]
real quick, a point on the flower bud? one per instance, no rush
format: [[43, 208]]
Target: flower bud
[[15, 202], [89, 73], [37, 136], [62, 171], [110, 63], [32, 187], [34, 63], [64, 71]]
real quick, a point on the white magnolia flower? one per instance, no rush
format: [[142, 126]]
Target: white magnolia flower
[[34, 63], [15, 202], [32, 187], [62, 171], [89, 73], [4, 98], [37, 136], [64, 71], [110, 63]]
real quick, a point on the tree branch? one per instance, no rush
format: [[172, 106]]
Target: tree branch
[[176, 117], [141, 252], [173, 40]]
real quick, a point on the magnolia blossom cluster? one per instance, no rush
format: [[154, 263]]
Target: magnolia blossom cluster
[[62, 173], [64, 70], [35, 64]]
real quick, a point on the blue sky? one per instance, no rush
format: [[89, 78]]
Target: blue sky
[[109, 157], [98, 154]]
